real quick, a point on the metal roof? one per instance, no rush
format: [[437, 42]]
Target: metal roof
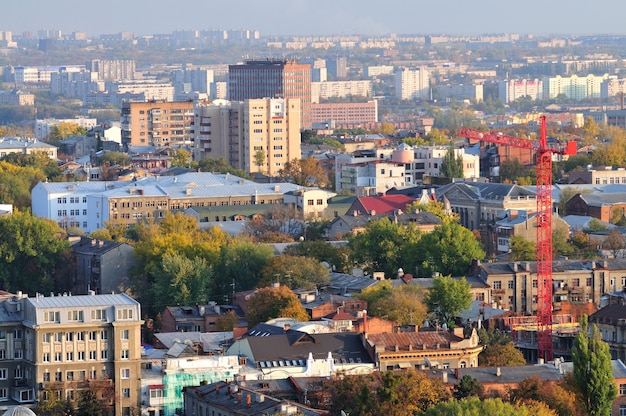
[[68, 301]]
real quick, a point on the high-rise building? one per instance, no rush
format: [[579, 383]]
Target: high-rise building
[[157, 123], [256, 135], [337, 68], [272, 79], [412, 84]]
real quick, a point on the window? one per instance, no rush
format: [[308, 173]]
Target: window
[[70, 376], [69, 356], [309, 202], [3, 335], [46, 376], [4, 393], [80, 336], [124, 334], [93, 374], [511, 284], [18, 372], [52, 316], [156, 393], [125, 392], [125, 355], [58, 336], [70, 395], [590, 280], [93, 355], [46, 357], [104, 334], [92, 336], [3, 373], [69, 336], [104, 355], [18, 333], [75, 316], [125, 373], [622, 389], [80, 355], [58, 376], [18, 354], [622, 410], [497, 285], [45, 338], [58, 357], [535, 283], [82, 375]]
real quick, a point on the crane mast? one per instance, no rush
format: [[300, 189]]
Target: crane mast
[[543, 246]]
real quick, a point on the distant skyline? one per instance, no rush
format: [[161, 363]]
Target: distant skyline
[[317, 17]]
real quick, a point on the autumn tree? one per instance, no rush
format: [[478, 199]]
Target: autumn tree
[[30, 250], [448, 297], [65, 129], [114, 159], [436, 208], [274, 302], [305, 172], [400, 304], [615, 243], [352, 394], [227, 322], [16, 183], [591, 130], [280, 224], [54, 406], [563, 401], [593, 372], [89, 404], [182, 158], [499, 350], [473, 406], [335, 256], [295, 272]]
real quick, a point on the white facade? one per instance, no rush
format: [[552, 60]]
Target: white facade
[[574, 87], [42, 127], [26, 146], [612, 87], [512, 90], [378, 70], [151, 90], [372, 178], [461, 91], [312, 201], [333, 89], [412, 84]]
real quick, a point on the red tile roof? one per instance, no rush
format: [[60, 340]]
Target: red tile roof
[[380, 204]]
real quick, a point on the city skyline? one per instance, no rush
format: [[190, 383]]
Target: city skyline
[[322, 17]]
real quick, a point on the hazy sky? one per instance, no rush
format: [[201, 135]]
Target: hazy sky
[[303, 17]]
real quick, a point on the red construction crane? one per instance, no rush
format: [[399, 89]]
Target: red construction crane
[[543, 247]]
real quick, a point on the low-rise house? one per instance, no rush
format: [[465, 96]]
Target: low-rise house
[[523, 224], [344, 224], [200, 318], [611, 322], [607, 207], [424, 349]]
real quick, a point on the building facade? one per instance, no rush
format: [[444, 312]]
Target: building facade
[[412, 84], [157, 123], [337, 114], [513, 90], [272, 79]]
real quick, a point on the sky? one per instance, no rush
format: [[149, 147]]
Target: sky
[[318, 17]]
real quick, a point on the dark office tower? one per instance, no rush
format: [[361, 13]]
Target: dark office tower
[[337, 68], [271, 79]]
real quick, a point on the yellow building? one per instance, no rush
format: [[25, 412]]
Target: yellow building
[[157, 123]]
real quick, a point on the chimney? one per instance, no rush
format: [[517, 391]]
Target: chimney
[[364, 321], [457, 374], [444, 377], [238, 397], [217, 388], [248, 400], [498, 372]]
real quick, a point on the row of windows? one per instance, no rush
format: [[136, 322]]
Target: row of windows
[[80, 356], [73, 200]]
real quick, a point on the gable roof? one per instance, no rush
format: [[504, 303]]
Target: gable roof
[[600, 200], [485, 190], [380, 204]]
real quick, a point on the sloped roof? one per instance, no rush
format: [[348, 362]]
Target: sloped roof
[[402, 340], [380, 204], [604, 199], [610, 313], [485, 190]]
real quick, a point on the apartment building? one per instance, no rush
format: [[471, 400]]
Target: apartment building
[[157, 123], [574, 87], [426, 161], [460, 92], [26, 146], [16, 97], [338, 89], [372, 177], [242, 132], [512, 90], [63, 345], [412, 84], [44, 126], [337, 114], [270, 79], [112, 70]]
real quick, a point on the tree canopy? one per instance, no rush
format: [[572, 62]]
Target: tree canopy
[[473, 406], [274, 302], [499, 350], [402, 304], [448, 297], [305, 172], [295, 272]]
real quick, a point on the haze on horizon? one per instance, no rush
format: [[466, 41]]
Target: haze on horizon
[[317, 17]]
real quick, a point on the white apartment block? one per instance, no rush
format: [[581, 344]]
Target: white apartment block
[[26, 146], [372, 177], [43, 127], [152, 90], [237, 131], [512, 90], [40, 75], [461, 92], [378, 70], [112, 70], [612, 87], [574, 87], [412, 84], [428, 159], [333, 89]]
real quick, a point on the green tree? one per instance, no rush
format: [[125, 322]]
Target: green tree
[[114, 159], [596, 225], [221, 166], [259, 159], [593, 372], [499, 350], [449, 250], [274, 302], [30, 250], [436, 208], [335, 256], [468, 386], [295, 272], [54, 406], [182, 281], [448, 297], [402, 304], [89, 404], [227, 322], [512, 170], [408, 393], [305, 172], [240, 264], [452, 165], [521, 249]]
